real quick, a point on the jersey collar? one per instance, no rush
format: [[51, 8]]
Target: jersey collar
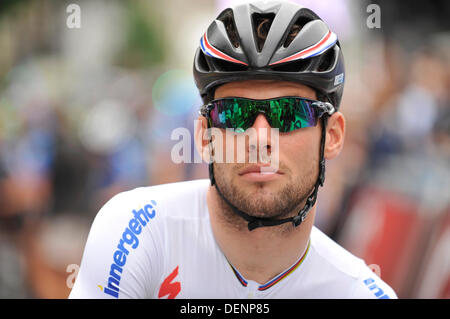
[[277, 278]]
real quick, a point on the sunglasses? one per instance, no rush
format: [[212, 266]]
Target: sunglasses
[[284, 113]]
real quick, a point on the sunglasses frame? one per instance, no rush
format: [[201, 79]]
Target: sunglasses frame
[[321, 108]]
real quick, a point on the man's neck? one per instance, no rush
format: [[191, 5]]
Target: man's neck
[[262, 253]]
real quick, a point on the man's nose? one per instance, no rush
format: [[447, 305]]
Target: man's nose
[[261, 122], [262, 131]]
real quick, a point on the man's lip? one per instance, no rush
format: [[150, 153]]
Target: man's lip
[[258, 169]]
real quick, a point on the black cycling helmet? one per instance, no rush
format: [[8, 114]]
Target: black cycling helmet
[[270, 40]]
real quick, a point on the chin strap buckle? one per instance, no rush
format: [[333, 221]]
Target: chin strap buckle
[[297, 220]]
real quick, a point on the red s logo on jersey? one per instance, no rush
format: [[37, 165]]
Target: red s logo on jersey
[[170, 288]]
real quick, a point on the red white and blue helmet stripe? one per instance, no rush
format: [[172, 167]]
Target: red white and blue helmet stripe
[[208, 49], [326, 42]]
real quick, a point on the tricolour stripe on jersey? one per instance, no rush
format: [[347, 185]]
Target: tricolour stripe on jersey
[[326, 42], [286, 273], [277, 278], [239, 277]]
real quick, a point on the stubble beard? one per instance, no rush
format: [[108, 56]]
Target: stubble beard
[[262, 200]]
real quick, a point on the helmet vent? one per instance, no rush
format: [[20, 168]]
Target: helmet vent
[[225, 66], [295, 29], [261, 27], [227, 19], [294, 66], [202, 64], [327, 61]]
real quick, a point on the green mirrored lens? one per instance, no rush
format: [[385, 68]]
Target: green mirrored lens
[[286, 114], [232, 113], [289, 114]]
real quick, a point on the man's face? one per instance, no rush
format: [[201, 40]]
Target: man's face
[[278, 194]]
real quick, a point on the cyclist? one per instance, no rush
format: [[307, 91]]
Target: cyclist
[[248, 231]]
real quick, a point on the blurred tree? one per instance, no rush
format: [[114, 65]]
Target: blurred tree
[[144, 45], [7, 5]]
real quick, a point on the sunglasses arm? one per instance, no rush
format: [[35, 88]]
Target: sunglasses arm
[[324, 107], [204, 110]]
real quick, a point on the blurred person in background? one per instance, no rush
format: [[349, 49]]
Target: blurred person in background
[[52, 176], [52, 251], [392, 214]]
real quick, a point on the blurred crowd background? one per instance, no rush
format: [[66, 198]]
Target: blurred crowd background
[[88, 112]]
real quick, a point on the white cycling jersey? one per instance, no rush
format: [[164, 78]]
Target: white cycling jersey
[[157, 242]]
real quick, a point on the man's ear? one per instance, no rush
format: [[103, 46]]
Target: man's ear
[[335, 134], [202, 139]]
